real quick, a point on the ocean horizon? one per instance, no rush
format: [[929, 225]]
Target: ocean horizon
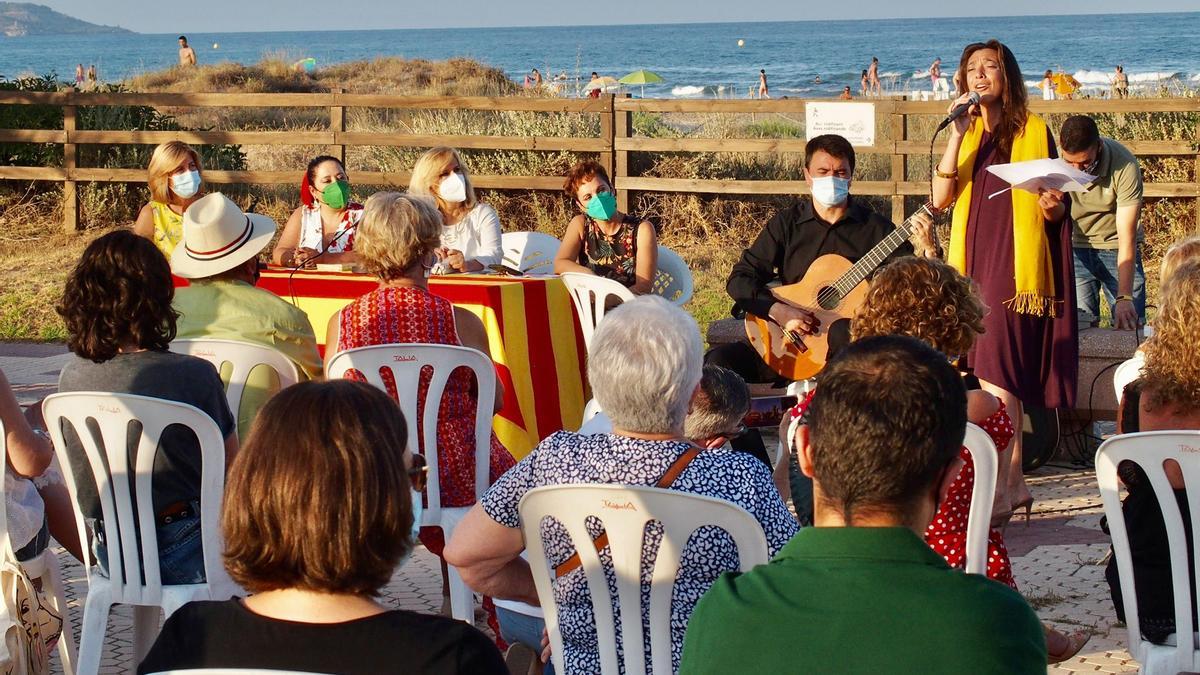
[[1158, 51]]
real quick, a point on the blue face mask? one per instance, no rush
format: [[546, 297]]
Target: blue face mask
[[186, 184], [831, 190], [602, 206]]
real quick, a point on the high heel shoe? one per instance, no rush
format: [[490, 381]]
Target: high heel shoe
[[1026, 504], [1075, 642]]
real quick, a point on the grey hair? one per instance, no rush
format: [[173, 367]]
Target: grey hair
[[644, 364], [723, 401]]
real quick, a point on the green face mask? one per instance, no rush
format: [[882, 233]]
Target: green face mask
[[336, 195]]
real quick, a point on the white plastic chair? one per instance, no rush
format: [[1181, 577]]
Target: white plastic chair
[[244, 357], [673, 279], [233, 671], [590, 410], [1149, 450], [405, 361], [45, 567], [134, 576], [1127, 372], [979, 518], [680, 513], [590, 294], [530, 252], [598, 423]]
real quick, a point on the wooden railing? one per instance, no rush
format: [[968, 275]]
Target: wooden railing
[[613, 145]]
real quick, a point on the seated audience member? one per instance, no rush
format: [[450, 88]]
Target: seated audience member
[[471, 229], [1179, 252], [396, 243], [334, 516], [644, 367], [174, 177], [222, 302], [717, 412], [601, 240], [881, 444], [323, 226], [1165, 397], [119, 321]]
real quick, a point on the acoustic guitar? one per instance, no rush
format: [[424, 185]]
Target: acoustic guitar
[[832, 289]]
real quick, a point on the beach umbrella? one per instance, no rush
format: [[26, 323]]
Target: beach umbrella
[[642, 77], [602, 83]]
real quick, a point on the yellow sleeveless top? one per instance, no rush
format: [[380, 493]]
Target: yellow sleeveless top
[[168, 228]]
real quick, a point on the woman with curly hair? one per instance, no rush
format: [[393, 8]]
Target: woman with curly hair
[[1165, 397], [117, 310]]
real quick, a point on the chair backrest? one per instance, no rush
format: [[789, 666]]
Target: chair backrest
[[1150, 450], [624, 511], [243, 357], [6, 548], [673, 280], [598, 423], [1128, 371], [405, 362], [979, 518], [590, 294], [532, 252], [102, 423], [591, 410]]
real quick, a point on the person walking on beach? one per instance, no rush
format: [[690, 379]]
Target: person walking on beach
[[91, 76], [941, 90], [863, 85], [763, 92], [79, 76], [187, 55], [1047, 85], [873, 77], [1120, 83]]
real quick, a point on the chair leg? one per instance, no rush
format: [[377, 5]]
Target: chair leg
[[462, 600], [66, 642], [91, 635], [145, 630]]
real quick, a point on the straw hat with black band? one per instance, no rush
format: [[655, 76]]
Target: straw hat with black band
[[218, 236]]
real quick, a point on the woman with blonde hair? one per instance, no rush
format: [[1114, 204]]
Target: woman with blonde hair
[[324, 224], [175, 181], [1179, 252], [470, 236]]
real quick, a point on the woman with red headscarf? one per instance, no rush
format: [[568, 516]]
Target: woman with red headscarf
[[323, 227]]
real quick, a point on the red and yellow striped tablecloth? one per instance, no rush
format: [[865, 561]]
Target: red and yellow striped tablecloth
[[532, 333]]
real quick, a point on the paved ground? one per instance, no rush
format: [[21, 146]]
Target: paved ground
[[1056, 557]]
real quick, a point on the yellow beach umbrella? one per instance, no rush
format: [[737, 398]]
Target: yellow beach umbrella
[[643, 78]]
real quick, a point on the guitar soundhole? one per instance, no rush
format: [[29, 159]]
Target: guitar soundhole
[[828, 298]]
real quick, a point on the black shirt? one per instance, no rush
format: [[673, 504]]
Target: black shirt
[[793, 239], [227, 635]]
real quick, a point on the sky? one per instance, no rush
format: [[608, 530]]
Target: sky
[[213, 16]]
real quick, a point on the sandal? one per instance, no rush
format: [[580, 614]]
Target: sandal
[[1075, 642]]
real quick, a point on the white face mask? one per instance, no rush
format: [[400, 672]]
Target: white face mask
[[830, 190], [186, 184], [453, 188]]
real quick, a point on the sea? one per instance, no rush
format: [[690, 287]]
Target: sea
[[709, 60]]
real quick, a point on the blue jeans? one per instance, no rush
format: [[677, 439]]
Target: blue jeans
[[524, 629], [1096, 273], [802, 492], [180, 555]]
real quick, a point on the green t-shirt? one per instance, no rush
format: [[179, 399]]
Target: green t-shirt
[[1118, 183], [861, 600]]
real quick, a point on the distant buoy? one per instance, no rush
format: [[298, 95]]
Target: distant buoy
[[741, 43], [215, 45]]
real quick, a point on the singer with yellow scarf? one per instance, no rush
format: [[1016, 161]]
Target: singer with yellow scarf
[[1016, 246]]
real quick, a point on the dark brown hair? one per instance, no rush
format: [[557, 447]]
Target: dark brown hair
[[581, 173], [1014, 98], [836, 146], [318, 498], [926, 299], [119, 294], [888, 415], [1078, 133]]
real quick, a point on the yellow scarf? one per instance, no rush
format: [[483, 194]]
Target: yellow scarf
[[1032, 269]]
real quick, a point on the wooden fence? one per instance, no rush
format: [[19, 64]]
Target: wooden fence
[[613, 145]]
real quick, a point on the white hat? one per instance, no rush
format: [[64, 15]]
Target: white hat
[[217, 237]]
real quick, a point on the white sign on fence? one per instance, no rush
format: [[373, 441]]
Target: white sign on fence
[[853, 121]]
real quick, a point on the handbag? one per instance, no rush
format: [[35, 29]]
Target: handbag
[[31, 626]]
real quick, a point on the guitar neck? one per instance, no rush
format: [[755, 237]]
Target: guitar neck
[[875, 257]]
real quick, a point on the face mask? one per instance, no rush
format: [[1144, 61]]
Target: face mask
[[1091, 168], [336, 195], [830, 190], [453, 188], [186, 184], [602, 206]]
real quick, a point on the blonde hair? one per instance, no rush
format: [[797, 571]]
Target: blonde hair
[[426, 173], [1177, 253], [1172, 371], [397, 230], [166, 158]]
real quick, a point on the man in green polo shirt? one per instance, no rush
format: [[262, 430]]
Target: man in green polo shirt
[[1106, 239], [861, 592]]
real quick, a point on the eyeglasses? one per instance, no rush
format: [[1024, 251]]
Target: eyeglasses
[[418, 474], [737, 432]]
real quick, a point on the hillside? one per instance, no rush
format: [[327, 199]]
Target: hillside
[[18, 19]]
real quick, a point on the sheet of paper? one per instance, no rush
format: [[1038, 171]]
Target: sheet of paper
[[1042, 174]]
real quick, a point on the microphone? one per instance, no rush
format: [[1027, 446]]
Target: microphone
[[959, 111]]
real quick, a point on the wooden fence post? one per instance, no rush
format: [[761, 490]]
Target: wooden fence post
[[337, 125], [623, 128], [70, 195], [1195, 182], [899, 162], [607, 128]]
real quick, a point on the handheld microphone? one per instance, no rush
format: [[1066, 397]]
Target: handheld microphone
[[959, 111]]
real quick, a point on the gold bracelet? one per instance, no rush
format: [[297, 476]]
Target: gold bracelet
[[940, 174], [1128, 298]]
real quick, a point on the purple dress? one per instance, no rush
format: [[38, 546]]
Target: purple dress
[[1035, 358]]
